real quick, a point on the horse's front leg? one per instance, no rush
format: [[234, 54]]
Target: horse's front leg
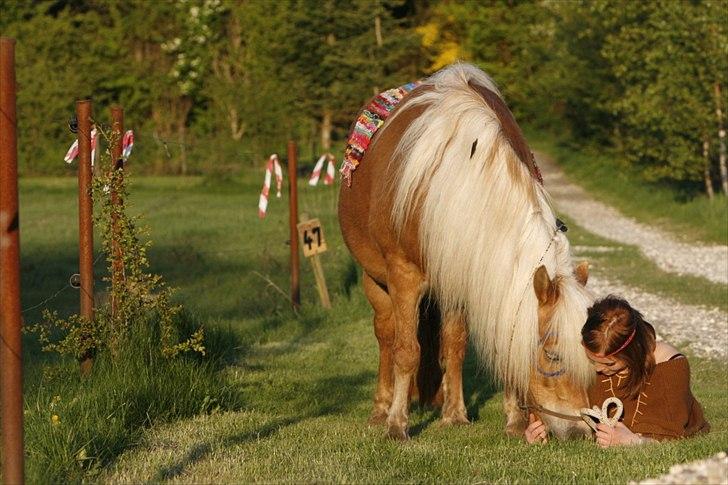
[[453, 343], [516, 419], [406, 286], [384, 330]]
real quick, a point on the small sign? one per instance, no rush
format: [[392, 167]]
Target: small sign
[[312, 237]]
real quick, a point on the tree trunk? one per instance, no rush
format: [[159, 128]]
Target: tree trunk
[[721, 140], [182, 109], [706, 169], [237, 127], [326, 131], [378, 30], [182, 149], [380, 42]]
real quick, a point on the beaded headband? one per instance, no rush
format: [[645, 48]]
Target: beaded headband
[[624, 345]]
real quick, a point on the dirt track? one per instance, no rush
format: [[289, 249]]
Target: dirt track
[[704, 331], [671, 255]]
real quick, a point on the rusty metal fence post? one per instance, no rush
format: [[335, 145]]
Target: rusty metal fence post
[[117, 167], [293, 222], [11, 352], [85, 222]]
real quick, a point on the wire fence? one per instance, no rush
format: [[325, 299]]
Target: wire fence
[[157, 152], [169, 148], [71, 283]]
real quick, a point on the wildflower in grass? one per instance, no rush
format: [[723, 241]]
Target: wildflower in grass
[[55, 420], [81, 455]]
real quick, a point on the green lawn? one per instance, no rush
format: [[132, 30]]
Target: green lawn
[[281, 397]]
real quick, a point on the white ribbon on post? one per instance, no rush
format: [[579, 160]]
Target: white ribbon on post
[[273, 166], [330, 170], [72, 152]]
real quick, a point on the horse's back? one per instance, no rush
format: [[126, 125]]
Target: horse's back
[[365, 207]]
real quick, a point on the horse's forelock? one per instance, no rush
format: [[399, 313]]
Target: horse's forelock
[[569, 317]]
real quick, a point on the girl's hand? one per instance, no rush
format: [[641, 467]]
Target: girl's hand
[[619, 435], [536, 431]]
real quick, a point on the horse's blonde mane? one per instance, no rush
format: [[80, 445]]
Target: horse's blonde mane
[[485, 225]]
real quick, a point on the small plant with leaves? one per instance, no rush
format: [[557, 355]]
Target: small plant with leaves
[[136, 297]]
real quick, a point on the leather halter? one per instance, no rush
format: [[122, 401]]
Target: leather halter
[[537, 407], [540, 409]]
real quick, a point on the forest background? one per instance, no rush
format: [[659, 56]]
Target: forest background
[[214, 86]]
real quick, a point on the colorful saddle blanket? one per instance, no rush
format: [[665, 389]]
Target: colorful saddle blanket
[[369, 121]]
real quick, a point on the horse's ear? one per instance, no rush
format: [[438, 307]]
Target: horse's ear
[[582, 272], [542, 284]]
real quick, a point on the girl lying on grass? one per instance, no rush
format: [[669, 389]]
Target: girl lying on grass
[[651, 378]]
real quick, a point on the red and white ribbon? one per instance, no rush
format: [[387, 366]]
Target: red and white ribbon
[[127, 144], [272, 166], [72, 152], [330, 170]]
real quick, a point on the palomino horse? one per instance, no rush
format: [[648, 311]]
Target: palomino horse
[[447, 204]]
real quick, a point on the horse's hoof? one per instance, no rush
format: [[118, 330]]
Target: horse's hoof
[[458, 419], [378, 418], [398, 433]]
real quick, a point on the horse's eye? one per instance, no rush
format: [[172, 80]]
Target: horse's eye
[[553, 357]]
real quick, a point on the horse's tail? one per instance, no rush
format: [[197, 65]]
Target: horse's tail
[[429, 374]]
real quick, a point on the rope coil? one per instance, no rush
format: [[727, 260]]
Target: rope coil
[[594, 416]]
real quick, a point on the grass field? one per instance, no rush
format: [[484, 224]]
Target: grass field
[[281, 397]]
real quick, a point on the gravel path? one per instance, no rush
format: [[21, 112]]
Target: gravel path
[[707, 261], [704, 331]]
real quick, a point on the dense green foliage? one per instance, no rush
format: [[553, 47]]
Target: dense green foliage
[[211, 86], [639, 77]]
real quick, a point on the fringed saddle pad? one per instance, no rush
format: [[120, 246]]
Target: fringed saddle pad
[[369, 121]]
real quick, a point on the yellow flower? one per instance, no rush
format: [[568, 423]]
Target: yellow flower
[[55, 420]]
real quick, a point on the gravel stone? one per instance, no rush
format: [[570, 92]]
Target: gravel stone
[[707, 261], [712, 471]]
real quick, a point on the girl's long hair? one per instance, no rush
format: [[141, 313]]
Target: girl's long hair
[[610, 323]]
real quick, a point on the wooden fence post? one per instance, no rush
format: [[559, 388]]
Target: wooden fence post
[[85, 222], [11, 351]]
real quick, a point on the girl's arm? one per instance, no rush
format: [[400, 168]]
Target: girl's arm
[[619, 435]]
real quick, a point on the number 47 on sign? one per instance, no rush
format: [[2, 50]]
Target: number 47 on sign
[[313, 243], [312, 237]]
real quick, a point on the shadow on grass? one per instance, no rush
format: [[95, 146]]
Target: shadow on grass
[[323, 397], [351, 277], [478, 386], [199, 452]]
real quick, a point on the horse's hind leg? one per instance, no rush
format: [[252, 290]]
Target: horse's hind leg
[[384, 330], [406, 286], [453, 342]]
